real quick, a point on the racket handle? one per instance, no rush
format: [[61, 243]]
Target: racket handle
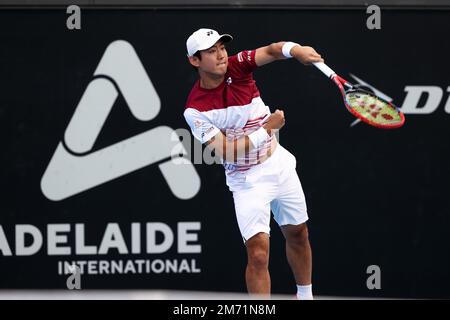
[[324, 68]]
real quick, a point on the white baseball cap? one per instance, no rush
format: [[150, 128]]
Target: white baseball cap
[[203, 39]]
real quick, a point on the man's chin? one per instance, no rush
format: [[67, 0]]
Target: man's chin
[[221, 71], [218, 72]]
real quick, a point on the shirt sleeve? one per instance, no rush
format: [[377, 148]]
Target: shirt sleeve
[[245, 61], [202, 129]]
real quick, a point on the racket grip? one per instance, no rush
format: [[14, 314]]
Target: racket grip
[[324, 68]]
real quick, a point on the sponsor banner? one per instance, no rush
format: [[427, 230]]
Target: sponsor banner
[[99, 171]]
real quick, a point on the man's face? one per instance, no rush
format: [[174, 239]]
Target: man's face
[[214, 60]]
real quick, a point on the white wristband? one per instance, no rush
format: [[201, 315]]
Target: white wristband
[[287, 46], [258, 137]]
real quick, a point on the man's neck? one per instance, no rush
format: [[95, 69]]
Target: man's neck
[[210, 82]]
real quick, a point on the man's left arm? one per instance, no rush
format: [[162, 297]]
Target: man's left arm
[[274, 52]]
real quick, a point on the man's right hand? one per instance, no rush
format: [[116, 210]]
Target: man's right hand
[[275, 121]]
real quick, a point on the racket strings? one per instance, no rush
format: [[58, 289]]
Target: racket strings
[[373, 108]]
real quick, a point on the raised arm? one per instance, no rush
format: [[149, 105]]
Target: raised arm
[[274, 52]]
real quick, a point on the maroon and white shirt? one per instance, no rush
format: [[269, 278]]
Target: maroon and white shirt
[[235, 108]]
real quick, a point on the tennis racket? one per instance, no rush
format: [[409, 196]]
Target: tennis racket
[[365, 105]]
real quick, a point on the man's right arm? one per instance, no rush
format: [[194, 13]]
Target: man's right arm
[[230, 149]]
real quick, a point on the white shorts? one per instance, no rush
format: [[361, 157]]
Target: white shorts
[[272, 185]]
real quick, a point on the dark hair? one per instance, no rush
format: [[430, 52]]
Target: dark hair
[[199, 56]]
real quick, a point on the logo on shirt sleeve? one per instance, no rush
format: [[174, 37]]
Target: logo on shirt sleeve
[[207, 131], [197, 124], [249, 55], [244, 55], [239, 56]]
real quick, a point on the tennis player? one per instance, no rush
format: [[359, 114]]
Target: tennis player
[[225, 111]]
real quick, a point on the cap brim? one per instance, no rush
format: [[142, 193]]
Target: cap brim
[[226, 38]]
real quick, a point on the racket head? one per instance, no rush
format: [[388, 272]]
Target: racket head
[[372, 109]]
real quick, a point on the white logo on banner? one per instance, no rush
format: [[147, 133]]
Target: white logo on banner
[[70, 173]]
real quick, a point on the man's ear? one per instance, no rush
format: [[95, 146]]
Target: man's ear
[[195, 61]]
